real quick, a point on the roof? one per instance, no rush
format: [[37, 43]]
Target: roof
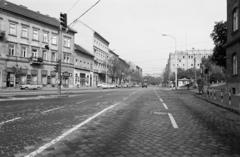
[[111, 51], [82, 50], [99, 36], [23, 11]]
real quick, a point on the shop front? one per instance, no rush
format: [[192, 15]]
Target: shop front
[[52, 78], [44, 77], [65, 79], [34, 79]]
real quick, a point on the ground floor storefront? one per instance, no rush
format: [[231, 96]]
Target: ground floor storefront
[[83, 78], [12, 76]]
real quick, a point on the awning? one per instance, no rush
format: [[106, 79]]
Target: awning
[[44, 72], [53, 73], [34, 72]]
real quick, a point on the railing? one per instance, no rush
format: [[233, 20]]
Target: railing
[[36, 60]]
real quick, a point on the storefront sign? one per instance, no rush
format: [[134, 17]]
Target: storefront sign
[[66, 74]]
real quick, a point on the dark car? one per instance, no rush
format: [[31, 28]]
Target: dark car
[[144, 84]]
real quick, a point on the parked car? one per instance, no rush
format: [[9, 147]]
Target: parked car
[[30, 86]]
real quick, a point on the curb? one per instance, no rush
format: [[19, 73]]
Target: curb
[[217, 104], [33, 97]]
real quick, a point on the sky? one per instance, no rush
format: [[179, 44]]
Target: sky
[[134, 28]]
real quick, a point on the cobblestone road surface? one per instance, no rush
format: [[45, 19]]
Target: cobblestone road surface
[[145, 123]]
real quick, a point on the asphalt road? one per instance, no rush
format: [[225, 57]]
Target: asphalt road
[[118, 123]]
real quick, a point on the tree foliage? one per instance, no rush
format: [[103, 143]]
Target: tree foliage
[[219, 37]]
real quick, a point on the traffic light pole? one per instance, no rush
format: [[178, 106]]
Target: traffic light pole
[[60, 61]]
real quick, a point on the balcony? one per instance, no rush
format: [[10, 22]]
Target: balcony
[[36, 60]]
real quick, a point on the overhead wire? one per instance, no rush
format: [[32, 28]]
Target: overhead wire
[[76, 2], [84, 13]]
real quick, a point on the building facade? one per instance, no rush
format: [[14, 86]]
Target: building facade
[[101, 56], [83, 67], [29, 48], [187, 59], [233, 46]]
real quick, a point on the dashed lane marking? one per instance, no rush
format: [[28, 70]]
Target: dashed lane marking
[[161, 100], [81, 102], [174, 123], [11, 120], [57, 108], [54, 141], [165, 106]]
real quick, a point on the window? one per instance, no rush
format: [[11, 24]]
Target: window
[[66, 42], [13, 29], [35, 34], [54, 39], [66, 57], [53, 56], [11, 49], [45, 57], [34, 52], [235, 19], [45, 37], [24, 51], [24, 33], [234, 64]]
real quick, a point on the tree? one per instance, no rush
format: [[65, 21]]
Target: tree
[[113, 68], [219, 36]]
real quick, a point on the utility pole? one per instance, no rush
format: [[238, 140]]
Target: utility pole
[[60, 61], [62, 27]]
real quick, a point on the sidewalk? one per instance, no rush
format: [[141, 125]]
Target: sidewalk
[[221, 99], [5, 90], [18, 94]]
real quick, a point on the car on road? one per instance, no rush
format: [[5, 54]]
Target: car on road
[[30, 86], [144, 85]]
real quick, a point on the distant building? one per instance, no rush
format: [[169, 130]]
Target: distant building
[[101, 53], [83, 67], [187, 59], [29, 48], [233, 46]]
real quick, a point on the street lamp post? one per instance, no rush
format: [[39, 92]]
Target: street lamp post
[[176, 59]]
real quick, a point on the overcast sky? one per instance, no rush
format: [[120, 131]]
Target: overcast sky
[[134, 27]]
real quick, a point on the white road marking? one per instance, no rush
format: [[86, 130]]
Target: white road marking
[[54, 141], [57, 108], [165, 106], [161, 100], [174, 123], [11, 120], [81, 102]]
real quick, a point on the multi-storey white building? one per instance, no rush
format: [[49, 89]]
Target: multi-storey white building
[[101, 53], [187, 59], [29, 48]]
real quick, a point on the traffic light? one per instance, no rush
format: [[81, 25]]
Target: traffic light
[[63, 21], [56, 67]]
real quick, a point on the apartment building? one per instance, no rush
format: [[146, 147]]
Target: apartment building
[[101, 53], [29, 48], [233, 46], [187, 59], [83, 67]]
